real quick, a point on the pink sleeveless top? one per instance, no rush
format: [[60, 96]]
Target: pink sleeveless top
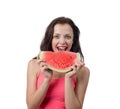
[[55, 97]]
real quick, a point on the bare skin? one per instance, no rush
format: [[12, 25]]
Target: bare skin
[[62, 41], [73, 98]]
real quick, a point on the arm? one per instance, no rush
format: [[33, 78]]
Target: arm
[[35, 97], [74, 98]]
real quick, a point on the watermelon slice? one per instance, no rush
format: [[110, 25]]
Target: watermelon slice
[[59, 61]]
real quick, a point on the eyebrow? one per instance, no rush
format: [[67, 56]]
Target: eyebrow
[[59, 34]]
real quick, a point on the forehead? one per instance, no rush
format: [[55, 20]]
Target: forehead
[[63, 28]]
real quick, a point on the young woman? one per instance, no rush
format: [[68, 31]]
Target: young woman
[[52, 90]]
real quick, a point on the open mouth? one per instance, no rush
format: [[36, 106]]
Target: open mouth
[[62, 48]]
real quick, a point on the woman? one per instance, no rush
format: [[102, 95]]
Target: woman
[[52, 90]]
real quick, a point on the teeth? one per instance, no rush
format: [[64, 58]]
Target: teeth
[[61, 48]]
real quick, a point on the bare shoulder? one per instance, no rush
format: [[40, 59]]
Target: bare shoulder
[[85, 71], [31, 66], [83, 74], [31, 62]]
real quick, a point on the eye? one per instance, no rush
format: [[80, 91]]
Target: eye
[[68, 37], [56, 36]]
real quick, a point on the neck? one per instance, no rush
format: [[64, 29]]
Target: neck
[[58, 75]]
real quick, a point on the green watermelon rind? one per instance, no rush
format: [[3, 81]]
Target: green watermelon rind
[[55, 69]]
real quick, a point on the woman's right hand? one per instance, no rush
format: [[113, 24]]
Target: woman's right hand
[[44, 69], [34, 97]]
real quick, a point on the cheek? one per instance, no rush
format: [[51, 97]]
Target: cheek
[[53, 43], [70, 43]]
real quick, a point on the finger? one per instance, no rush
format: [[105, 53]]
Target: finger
[[43, 68], [39, 60], [42, 64], [77, 65], [74, 68], [71, 72], [80, 64]]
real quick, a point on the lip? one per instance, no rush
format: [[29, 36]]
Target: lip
[[62, 48]]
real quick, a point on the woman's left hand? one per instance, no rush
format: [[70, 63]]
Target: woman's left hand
[[74, 69]]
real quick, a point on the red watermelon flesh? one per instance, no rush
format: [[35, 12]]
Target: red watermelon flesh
[[59, 61]]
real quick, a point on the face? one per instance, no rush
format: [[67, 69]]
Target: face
[[62, 37]]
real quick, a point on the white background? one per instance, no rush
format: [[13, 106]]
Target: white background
[[22, 26]]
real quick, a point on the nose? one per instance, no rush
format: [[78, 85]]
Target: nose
[[62, 40]]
